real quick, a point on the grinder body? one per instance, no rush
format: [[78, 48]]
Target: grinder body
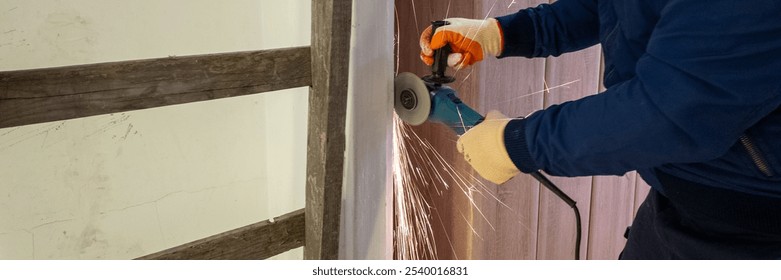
[[448, 109], [417, 101]]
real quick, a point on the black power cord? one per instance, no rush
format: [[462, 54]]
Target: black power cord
[[553, 188]]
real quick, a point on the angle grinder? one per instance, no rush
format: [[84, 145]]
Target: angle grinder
[[417, 100]]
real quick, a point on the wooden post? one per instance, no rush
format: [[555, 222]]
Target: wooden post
[[330, 46]]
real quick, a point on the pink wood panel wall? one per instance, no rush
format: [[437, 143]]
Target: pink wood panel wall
[[518, 220], [514, 86], [448, 207], [569, 76]]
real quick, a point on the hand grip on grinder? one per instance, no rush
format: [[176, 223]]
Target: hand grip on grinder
[[439, 66]]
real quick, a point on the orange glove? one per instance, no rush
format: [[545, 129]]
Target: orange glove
[[483, 147], [468, 38]]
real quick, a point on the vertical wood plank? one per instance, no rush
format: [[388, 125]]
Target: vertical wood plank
[[514, 86], [411, 19], [612, 208], [569, 77], [641, 191], [331, 21], [450, 210], [466, 232]]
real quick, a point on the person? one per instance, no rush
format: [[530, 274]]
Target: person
[[692, 102]]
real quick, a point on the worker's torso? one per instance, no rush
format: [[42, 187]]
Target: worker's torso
[[752, 164]]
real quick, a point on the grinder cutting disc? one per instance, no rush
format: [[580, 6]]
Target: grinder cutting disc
[[411, 98]]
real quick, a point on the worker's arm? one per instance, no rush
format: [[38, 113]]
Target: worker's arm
[[711, 71], [550, 29]]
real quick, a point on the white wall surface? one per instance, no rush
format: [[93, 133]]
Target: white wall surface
[[128, 184], [367, 224]]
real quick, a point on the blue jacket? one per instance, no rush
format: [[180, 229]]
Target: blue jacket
[[693, 90]]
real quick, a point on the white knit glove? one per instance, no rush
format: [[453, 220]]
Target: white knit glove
[[483, 147]]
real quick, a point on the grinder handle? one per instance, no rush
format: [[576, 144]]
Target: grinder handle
[[440, 55]]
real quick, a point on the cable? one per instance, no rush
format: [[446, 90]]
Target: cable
[[569, 201]]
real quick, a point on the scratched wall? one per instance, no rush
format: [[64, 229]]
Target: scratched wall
[[128, 184]]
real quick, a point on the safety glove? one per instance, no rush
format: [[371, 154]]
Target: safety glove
[[468, 38], [483, 147]]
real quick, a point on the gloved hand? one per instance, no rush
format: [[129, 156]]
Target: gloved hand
[[468, 38], [483, 147]]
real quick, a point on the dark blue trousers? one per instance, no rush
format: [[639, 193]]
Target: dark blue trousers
[[692, 221]]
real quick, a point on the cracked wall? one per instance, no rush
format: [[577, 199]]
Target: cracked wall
[[128, 184]]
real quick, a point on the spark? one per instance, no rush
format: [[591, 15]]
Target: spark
[[472, 69], [415, 15], [447, 12], [470, 225], [546, 89], [414, 234], [461, 118], [413, 225], [421, 172]]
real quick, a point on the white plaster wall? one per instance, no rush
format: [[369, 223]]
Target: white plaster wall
[[128, 184]]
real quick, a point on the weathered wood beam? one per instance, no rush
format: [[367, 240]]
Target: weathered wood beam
[[52, 94], [331, 21], [253, 242]]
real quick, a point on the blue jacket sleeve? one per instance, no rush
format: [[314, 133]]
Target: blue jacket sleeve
[[711, 70], [550, 29]]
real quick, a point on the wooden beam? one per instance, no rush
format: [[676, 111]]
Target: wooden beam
[[331, 21], [253, 242], [52, 94]]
